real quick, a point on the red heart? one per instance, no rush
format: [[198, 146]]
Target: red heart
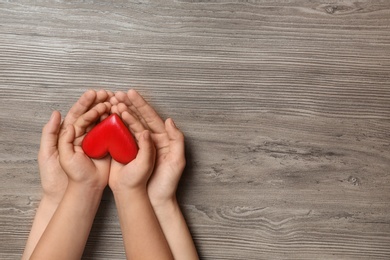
[[110, 136]]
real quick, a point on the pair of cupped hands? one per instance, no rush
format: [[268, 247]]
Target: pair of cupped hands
[[156, 169]]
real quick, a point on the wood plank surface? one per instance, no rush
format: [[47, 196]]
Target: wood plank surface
[[285, 106]]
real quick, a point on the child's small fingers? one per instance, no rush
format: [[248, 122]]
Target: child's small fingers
[[101, 96], [113, 100], [122, 107], [89, 118], [122, 98], [80, 107], [114, 110], [104, 116]]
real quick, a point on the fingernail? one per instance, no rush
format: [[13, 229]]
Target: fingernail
[[173, 123]]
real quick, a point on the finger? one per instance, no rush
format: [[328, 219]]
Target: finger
[[65, 144], [110, 94], [49, 137], [134, 124], [105, 115], [121, 97], [125, 104], [152, 119], [147, 152], [114, 101], [176, 141], [131, 119], [114, 109], [80, 107], [101, 96], [124, 108], [89, 119]]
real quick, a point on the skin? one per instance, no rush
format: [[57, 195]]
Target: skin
[[142, 234], [54, 180], [169, 166], [158, 194], [87, 179]]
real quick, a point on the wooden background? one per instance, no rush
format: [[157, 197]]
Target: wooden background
[[285, 105]]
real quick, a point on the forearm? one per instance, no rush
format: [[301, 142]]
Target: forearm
[[67, 232], [176, 230], [142, 234], [44, 213]]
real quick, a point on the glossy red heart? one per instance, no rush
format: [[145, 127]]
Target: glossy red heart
[[113, 137]]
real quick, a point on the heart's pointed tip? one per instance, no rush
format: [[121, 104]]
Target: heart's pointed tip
[[115, 116], [124, 161]]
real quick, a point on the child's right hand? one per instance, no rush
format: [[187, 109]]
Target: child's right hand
[[170, 163], [135, 174], [168, 139]]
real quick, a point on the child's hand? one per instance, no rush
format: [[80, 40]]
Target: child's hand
[[79, 168], [134, 175], [170, 163], [142, 235], [53, 178], [168, 140]]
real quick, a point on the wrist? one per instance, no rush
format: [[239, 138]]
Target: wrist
[[51, 200], [121, 188], [164, 202], [92, 186], [47, 206], [85, 193], [166, 208], [127, 192]]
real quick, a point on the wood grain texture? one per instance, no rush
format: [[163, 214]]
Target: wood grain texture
[[285, 105]]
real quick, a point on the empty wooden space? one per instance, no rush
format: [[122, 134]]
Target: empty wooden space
[[285, 106]]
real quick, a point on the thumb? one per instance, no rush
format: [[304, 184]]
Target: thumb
[[147, 152], [65, 143], [176, 143], [49, 136]]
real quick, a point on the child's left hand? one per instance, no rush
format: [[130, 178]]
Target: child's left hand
[[82, 170]]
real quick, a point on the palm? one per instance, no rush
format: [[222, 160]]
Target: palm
[[163, 182], [53, 178], [124, 176], [99, 166], [164, 175], [78, 166]]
